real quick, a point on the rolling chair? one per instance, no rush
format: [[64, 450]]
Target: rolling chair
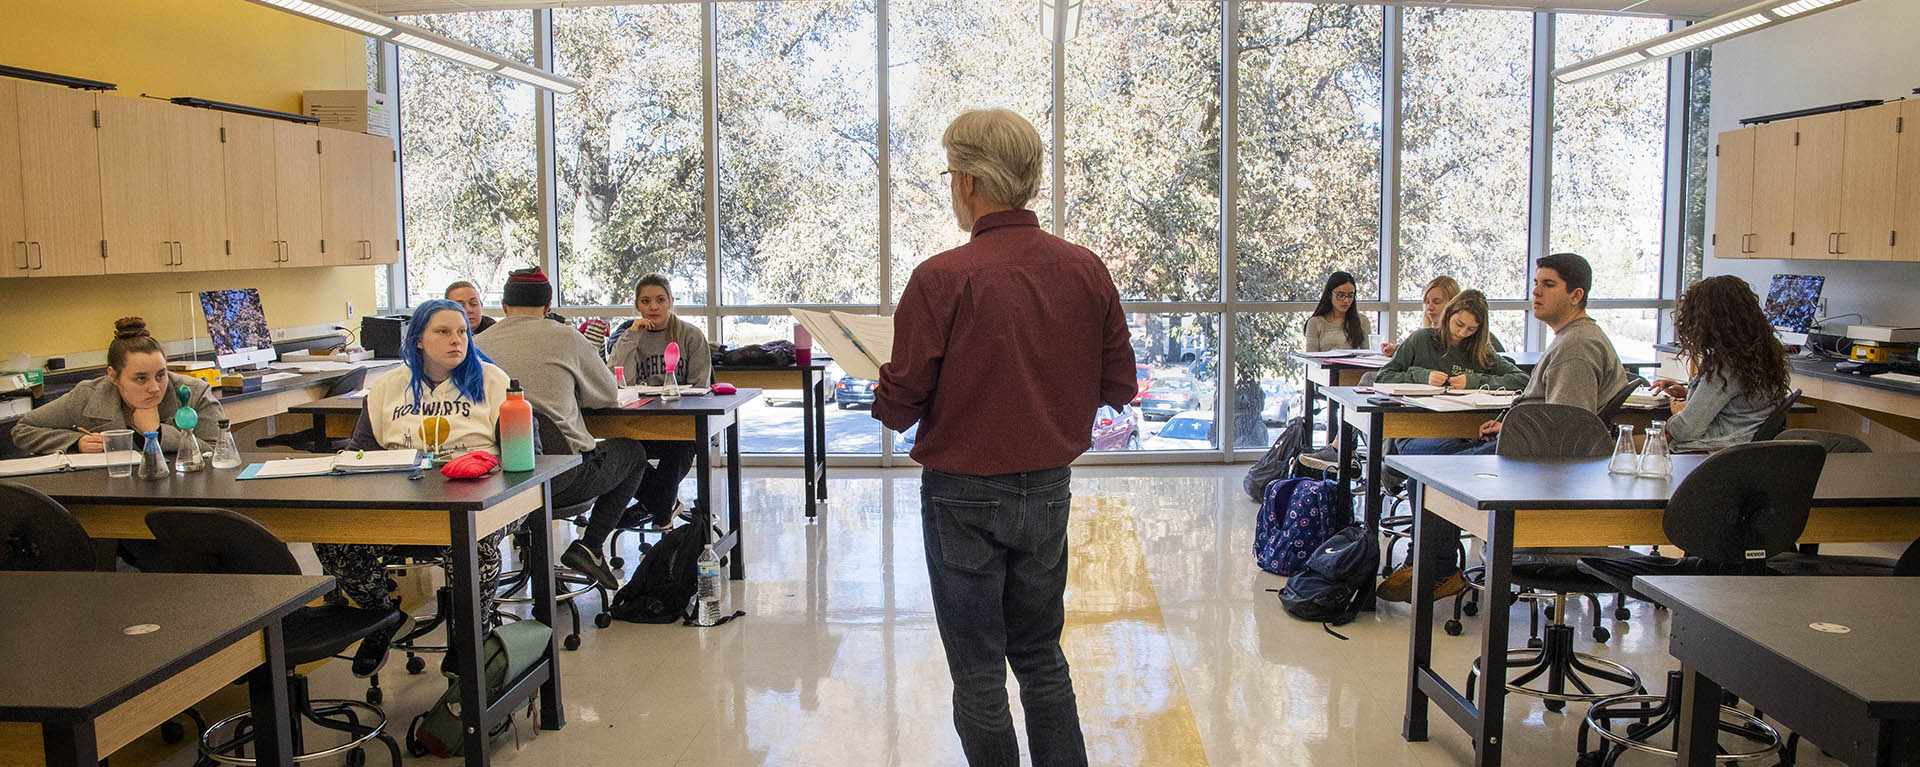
[[1535, 431], [220, 541], [37, 533], [1830, 441], [1739, 501], [1618, 401], [1777, 420], [569, 584], [307, 439]]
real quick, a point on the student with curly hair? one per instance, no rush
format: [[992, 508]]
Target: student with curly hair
[[1740, 371]]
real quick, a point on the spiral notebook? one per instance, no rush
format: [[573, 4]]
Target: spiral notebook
[[344, 462]]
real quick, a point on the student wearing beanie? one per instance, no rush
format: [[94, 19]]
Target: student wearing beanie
[[561, 372]]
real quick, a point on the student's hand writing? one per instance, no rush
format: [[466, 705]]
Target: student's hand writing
[[91, 443], [1436, 378], [1489, 430], [1669, 387], [1458, 382], [146, 420]]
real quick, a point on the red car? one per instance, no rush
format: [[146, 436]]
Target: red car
[[1142, 378]]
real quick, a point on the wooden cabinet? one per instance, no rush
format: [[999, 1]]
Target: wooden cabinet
[[356, 180], [1906, 198], [253, 228], [1832, 186], [15, 256], [59, 180], [197, 188], [296, 160], [1733, 207], [383, 197], [133, 186]]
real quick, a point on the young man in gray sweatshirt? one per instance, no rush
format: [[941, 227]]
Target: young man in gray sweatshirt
[[561, 373], [1579, 368]]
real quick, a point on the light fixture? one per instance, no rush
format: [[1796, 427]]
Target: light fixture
[[364, 22], [1049, 12], [1727, 25]]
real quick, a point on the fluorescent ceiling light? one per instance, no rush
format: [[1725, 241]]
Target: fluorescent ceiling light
[[1048, 9], [356, 22], [1727, 25], [348, 17]]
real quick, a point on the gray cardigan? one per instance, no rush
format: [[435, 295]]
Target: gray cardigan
[[95, 405], [1719, 413]]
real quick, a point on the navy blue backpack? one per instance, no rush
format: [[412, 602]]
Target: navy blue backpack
[[1328, 589], [1295, 517]]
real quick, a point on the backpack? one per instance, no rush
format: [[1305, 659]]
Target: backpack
[[1328, 588], [770, 353], [666, 579], [1278, 462], [1295, 518], [508, 652]]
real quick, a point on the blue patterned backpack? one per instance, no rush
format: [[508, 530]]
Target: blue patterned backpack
[[1295, 518]]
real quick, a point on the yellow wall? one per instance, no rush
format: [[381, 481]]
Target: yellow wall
[[225, 50]]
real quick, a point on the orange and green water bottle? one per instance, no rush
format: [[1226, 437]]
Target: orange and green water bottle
[[516, 431]]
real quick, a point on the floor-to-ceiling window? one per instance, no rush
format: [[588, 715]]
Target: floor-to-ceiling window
[[1222, 157]]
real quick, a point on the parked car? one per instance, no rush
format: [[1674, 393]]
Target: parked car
[[1112, 430], [1192, 430], [1168, 397], [1280, 400], [832, 375], [850, 391], [1142, 380]]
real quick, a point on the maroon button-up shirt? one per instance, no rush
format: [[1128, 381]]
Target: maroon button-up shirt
[[1003, 349]]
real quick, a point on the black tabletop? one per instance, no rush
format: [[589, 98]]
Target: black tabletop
[[70, 657], [817, 364], [1492, 482], [1872, 661], [1823, 369], [218, 487], [702, 404]]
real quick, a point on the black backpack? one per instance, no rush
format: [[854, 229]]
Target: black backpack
[[1278, 462], [1329, 588], [770, 353], [666, 579]]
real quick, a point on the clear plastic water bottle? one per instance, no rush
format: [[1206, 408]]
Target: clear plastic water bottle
[[226, 455], [712, 585], [1626, 460], [153, 463], [1655, 461]]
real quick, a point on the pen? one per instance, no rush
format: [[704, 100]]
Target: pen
[[84, 430]]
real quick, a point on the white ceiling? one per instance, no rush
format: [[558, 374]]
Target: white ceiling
[[1693, 9]]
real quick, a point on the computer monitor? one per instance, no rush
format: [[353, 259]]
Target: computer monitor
[[238, 326], [1792, 302]]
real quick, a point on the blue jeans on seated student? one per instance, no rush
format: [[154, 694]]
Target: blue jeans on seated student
[[997, 562], [1444, 446]]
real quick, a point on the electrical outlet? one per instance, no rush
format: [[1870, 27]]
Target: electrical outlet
[[349, 310]]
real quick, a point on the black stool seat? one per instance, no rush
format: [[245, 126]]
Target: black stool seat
[[315, 633]]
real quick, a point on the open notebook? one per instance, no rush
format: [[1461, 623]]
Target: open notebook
[[344, 462], [47, 464], [859, 343]]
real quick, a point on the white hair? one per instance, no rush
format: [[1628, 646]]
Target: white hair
[[1000, 150]]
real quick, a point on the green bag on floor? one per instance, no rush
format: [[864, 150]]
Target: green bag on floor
[[509, 651]]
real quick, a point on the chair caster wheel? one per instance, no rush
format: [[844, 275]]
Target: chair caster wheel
[[416, 664], [1470, 609], [1601, 634], [1555, 705], [572, 642], [617, 562], [602, 620], [1622, 613], [1590, 759], [357, 758], [1453, 628], [375, 695], [1533, 643], [172, 732]]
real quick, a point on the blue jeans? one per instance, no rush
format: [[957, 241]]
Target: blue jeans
[[1444, 446], [997, 563]]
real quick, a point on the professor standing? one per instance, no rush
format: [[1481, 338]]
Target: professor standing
[[1003, 349]]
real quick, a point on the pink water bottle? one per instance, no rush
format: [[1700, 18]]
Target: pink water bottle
[[516, 431]]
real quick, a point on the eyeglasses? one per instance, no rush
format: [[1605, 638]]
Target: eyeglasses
[[948, 172], [1343, 294]]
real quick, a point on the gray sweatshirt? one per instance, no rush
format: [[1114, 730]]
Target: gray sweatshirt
[[643, 353], [1323, 335], [556, 367], [1580, 369], [95, 405], [1719, 413]]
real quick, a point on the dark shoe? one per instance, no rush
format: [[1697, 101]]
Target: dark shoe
[[373, 650], [589, 562]]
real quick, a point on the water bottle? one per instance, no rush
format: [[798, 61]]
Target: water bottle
[[672, 360], [712, 586], [1655, 461], [153, 463], [1626, 460], [516, 431], [226, 455]]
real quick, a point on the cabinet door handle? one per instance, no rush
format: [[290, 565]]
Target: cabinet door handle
[[1746, 243], [179, 254], [366, 246], [24, 263], [39, 258], [1830, 250]]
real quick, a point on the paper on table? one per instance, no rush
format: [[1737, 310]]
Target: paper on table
[[1407, 389], [1330, 353], [88, 460], [295, 467], [636, 391], [376, 460], [39, 464], [281, 376], [859, 343]]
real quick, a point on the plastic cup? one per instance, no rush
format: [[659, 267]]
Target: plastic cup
[[120, 453]]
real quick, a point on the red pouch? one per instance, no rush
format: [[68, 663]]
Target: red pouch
[[478, 463]]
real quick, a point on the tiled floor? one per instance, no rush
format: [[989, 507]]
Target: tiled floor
[[1181, 655]]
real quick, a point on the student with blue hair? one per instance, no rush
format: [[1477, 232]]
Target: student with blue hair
[[444, 377]]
